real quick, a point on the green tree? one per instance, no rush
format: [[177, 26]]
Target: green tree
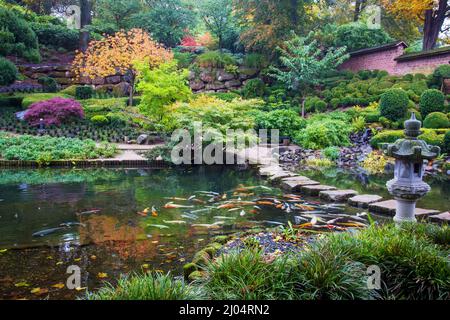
[[218, 18], [357, 36], [166, 20], [120, 12], [303, 62], [161, 87], [267, 23]]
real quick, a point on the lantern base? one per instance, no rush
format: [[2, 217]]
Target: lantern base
[[405, 211]]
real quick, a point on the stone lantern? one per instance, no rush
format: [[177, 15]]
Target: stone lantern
[[407, 186]]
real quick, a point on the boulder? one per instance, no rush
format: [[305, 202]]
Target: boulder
[[113, 79], [215, 86], [98, 81], [191, 75], [207, 76], [223, 76], [122, 88], [142, 139], [197, 85], [63, 80], [233, 84]]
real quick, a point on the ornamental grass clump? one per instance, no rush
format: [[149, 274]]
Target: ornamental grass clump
[[55, 111], [155, 286]]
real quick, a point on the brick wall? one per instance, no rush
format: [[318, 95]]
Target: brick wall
[[388, 59]]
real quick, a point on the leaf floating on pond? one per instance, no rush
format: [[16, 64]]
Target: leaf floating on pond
[[21, 284], [102, 275], [58, 286]]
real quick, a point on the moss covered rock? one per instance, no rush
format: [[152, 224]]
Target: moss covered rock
[[188, 268], [196, 275], [201, 258]]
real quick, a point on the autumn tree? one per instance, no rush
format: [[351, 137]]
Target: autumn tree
[[267, 23], [431, 12], [118, 54]]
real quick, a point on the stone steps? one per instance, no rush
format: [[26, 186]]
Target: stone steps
[[441, 218]]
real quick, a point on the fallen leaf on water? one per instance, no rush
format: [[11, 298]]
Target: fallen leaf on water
[[182, 260], [145, 266], [3, 250], [80, 288], [155, 242], [93, 257], [21, 284], [59, 263], [77, 259], [49, 257], [102, 275], [58, 286], [39, 291]]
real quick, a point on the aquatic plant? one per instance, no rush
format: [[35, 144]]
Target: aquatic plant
[[150, 286]]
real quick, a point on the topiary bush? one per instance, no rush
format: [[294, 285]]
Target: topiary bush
[[48, 84], [436, 120], [55, 111], [432, 100], [446, 143], [8, 72], [84, 92], [254, 88], [99, 120], [441, 72], [56, 36], [394, 104]]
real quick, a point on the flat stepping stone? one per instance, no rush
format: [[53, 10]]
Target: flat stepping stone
[[295, 183], [337, 195], [442, 217], [314, 190], [363, 200], [280, 175], [270, 171], [389, 207]]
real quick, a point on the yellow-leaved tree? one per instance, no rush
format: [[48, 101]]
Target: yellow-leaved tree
[[433, 13], [118, 54]]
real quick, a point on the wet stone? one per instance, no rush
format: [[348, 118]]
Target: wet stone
[[337, 195], [295, 183], [280, 175], [389, 207], [270, 170], [442, 217], [314, 190], [363, 200]]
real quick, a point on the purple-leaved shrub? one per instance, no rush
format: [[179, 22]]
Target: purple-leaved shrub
[[55, 111]]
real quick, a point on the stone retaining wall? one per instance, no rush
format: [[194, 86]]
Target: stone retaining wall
[[204, 80]]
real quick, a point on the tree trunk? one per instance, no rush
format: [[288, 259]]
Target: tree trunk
[[433, 24], [132, 84], [85, 20]]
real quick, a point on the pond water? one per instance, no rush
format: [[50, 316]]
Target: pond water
[[438, 198], [96, 219], [90, 218]]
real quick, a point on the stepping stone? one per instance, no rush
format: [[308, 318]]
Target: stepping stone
[[442, 217], [295, 183], [269, 171], [279, 175], [337, 195], [389, 207], [363, 200], [313, 190]]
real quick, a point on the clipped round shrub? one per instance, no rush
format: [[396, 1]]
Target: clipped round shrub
[[99, 120], [84, 92], [446, 143], [8, 72], [115, 118], [70, 90], [48, 84], [441, 72], [331, 153], [394, 104], [55, 111], [436, 120], [254, 88], [320, 106], [432, 100]]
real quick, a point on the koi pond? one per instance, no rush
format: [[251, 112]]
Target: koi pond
[[110, 222]]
